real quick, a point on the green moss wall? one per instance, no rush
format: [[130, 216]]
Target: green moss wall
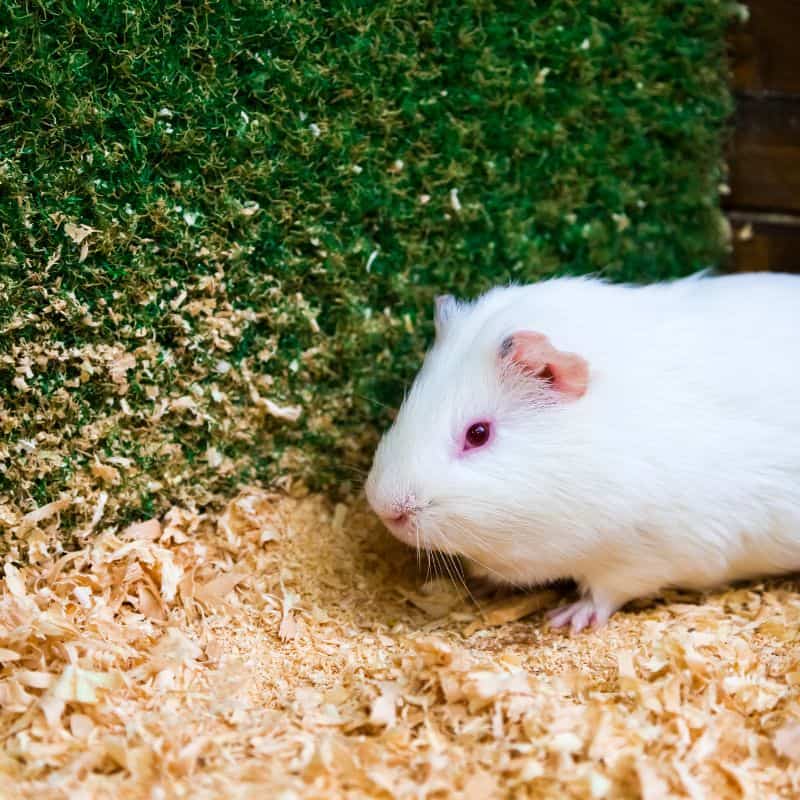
[[222, 224]]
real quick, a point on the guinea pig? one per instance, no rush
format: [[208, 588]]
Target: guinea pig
[[631, 438]]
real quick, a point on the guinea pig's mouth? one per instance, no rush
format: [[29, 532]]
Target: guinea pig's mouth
[[421, 535], [405, 528]]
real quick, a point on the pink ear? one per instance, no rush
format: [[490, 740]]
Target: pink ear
[[568, 373]]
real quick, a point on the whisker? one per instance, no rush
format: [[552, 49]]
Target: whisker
[[373, 401], [436, 566], [457, 568], [459, 573], [469, 534], [448, 568], [361, 471], [450, 563], [428, 570], [416, 542]]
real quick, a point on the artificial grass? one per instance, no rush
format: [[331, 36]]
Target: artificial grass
[[215, 215]]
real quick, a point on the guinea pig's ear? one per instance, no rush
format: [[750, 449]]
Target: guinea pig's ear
[[445, 307], [534, 355]]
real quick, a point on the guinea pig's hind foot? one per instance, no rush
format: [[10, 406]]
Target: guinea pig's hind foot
[[586, 612]]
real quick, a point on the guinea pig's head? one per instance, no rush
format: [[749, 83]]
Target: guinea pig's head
[[463, 462]]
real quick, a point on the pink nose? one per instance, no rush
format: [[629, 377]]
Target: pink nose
[[400, 518], [398, 514]]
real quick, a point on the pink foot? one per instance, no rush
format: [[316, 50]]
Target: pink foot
[[584, 613]]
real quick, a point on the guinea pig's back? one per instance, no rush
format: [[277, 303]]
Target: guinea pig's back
[[697, 409], [694, 396], [741, 336]]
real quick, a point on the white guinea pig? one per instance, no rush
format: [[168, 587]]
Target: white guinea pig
[[628, 437]]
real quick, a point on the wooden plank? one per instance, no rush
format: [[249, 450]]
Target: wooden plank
[[765, 54], [765, 242], [764, 156]]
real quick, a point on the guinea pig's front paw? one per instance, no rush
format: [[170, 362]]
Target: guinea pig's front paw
[[584, 613]]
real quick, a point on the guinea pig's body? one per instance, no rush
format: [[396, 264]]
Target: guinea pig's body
[[631, 438]]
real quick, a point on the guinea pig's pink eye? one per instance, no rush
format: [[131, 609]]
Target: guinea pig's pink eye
[[477, 435]]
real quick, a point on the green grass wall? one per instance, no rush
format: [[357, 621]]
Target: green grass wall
[[222, 224]]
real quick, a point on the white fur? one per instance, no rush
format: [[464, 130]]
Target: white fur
[[679, 466]]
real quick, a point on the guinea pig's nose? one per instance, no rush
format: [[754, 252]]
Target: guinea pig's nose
[[399, 514], [400, 518]]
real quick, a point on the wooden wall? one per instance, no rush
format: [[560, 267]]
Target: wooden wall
[[764, 156]]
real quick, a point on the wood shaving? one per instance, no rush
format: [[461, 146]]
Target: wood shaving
[[78, 233], [289, 648], [288, 413], [513, 608]]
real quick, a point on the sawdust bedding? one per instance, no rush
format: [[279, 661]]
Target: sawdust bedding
[[287, 649]]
